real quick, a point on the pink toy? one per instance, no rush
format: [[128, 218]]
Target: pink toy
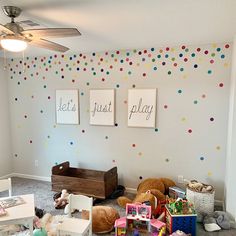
[[138, 218]]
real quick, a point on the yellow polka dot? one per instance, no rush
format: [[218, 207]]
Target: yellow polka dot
[[148, 65], [74, 64], [185, 76], [18, 126], [217, 147], [140, 153], [125, 78], [106, 61], [200, 59], [138, 64], [214, 45], [209, 173], [226, 65], [183, 119], [87, 110], [172, 49], [161, 51], [54, 126]]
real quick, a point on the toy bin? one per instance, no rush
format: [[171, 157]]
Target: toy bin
[[185, 223], [93, 183]]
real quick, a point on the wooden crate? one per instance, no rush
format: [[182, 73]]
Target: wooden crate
[[94, 183]]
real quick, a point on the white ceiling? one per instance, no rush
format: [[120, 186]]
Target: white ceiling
[[127, 24]]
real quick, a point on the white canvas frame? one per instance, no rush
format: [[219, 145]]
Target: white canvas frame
[[102, 107], [67, 107], [142, 108]]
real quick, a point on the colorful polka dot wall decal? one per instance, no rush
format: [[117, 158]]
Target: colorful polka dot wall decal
[[195, 102], [133, 145], [180, 91], [156, 130], [209, 173], [221, 85], [140, 154], [167, 160], [190, 131], [106, 137], [212, 119], [202, 158], [165, 106], [71, 143], [140, 177], [218, 148], [113, 161]]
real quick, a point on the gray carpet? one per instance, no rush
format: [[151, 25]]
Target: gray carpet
[[44, 200]]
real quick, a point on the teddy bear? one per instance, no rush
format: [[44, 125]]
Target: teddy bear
[[62, 201], [152, 190]]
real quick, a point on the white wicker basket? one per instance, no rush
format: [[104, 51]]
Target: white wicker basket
[[203, 201]]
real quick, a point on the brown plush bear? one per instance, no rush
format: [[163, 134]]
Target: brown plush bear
[[103, 218], [149, 190]]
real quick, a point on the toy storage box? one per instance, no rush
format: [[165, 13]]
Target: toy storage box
[[98, 184], [185, 223]]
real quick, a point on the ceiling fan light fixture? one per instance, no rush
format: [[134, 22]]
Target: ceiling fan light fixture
[[14, 45]]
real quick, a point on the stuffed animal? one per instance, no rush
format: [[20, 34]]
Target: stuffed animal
[[150, 190], [104, 218], [62, 201]]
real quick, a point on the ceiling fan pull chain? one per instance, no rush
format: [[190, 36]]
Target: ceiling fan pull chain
[[4, 60]]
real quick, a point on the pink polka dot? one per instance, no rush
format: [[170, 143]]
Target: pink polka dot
[[144, 74], [211, 61], [185, 59], [198, 49], [165, 106], [206, 52], [133, 145], [227, 46], [203, 96], [221, 85], [167, 49], [190, 131], [183, 47]]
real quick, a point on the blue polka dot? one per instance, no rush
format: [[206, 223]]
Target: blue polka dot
[[202, 158]]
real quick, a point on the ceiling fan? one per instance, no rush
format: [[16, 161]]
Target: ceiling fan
[[14, 38]]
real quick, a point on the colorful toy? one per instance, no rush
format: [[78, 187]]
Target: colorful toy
[[138, 219], [184, 222]]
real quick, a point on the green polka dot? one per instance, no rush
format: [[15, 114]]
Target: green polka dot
[[181, 69], [186, 50], [179, 91], [218, 49], [156, 129], [153, 60], [193, 54], [94, 73], [172, 59], [213, 54], [195, 101], [169, 72], [209, 72], [129, 73]]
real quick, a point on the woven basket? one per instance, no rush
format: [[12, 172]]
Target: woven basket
[[203, 201]]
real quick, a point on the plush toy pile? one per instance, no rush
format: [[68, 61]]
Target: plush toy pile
[[150, 190], [61, 201], [196, 186]]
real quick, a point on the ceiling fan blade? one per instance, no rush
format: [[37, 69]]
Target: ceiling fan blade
[[52, 32], [43, 43], [5, 30]]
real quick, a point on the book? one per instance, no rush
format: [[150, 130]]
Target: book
[[11, 202]]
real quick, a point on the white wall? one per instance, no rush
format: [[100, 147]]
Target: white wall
[[231, 147], [193, 91], [5, 146]]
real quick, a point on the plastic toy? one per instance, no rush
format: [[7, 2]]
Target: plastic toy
[[138, 219]]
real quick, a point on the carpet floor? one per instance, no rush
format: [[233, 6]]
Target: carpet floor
[[44, 200]]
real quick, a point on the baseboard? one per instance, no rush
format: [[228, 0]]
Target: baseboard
[[6, 176], [36, 177], [131, 190]]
